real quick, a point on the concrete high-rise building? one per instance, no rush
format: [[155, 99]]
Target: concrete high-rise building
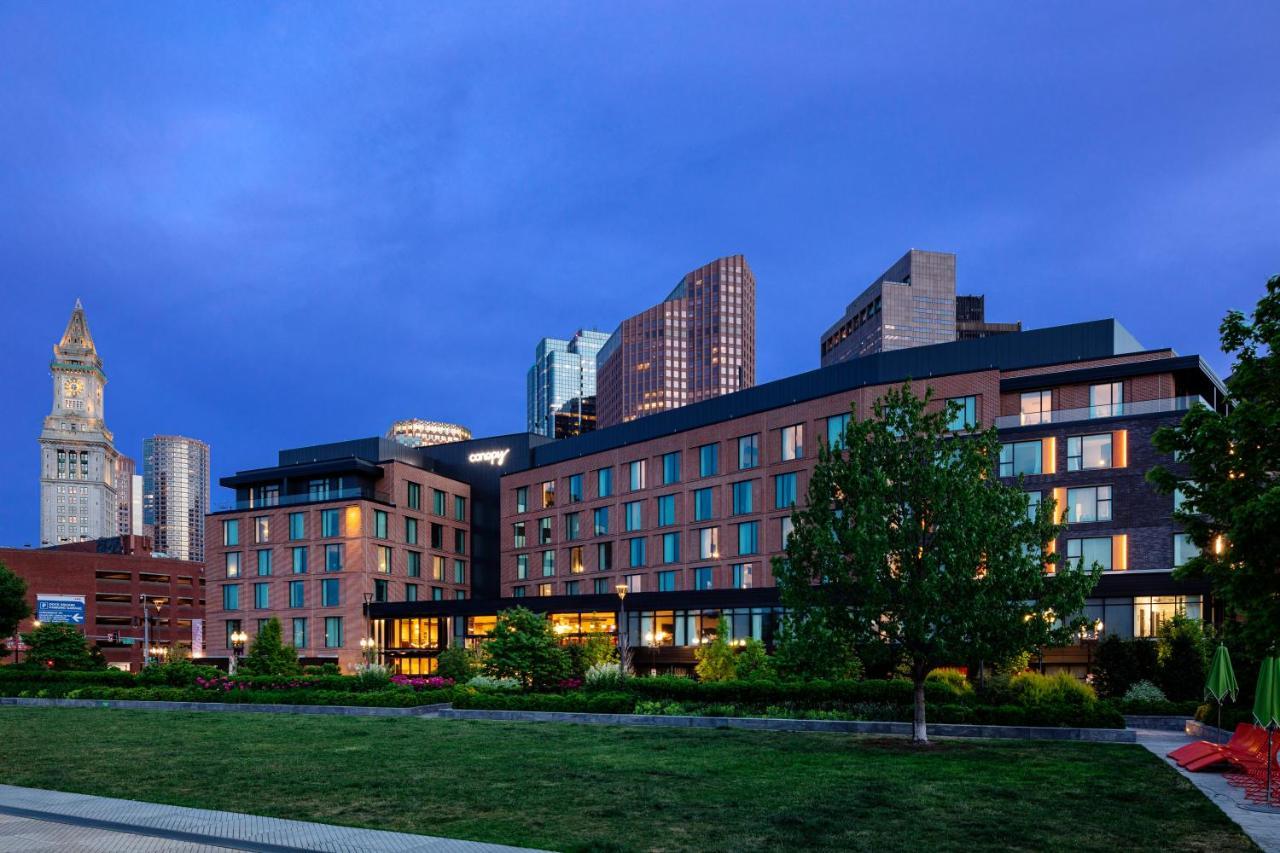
[[698, 343], [912, 304], [562, 370], [176, 494], [126, 470], [78, 497], [576, 417], [415, 432]]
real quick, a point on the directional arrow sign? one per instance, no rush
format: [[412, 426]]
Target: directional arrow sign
[[60, 608]]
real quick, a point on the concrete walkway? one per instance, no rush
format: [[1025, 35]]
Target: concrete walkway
[[35, 819], [1262, 827]]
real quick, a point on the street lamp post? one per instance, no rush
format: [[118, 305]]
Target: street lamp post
[[238, 639], [622, 629], [366, 649]]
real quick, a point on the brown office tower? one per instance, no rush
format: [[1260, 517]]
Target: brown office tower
[[698, 343], [971, 320]]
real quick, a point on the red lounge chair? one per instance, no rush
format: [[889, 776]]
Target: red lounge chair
[[1246, 740], [1203, 748]]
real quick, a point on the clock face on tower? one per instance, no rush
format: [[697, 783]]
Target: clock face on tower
[[72, 387]]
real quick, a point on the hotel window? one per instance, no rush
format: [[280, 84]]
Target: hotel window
[[437, 536], [1036, 407], [379, 524], [604, 557], [413, 564], [230, 531], [437, 568], [233, 564], [413, 496], [333, 558], [300, 632], [1086, 552], [1106, 400], [459, 571], [297, 593], [742, 497], [786, 526], [545, 589], [1033, 505], [380, 588], [1180, 496], [232, 626], [709, 543], [1085, 452], [522, 499], [1151, 611], [1183, 549], [635, 550], [437, 502], [748, 452], [631, 516], [522, 567], [702, 505], [749, 538], [836, 425], [333, 632], [411, 592], [1090, 503], [544, 531], [604, 482], [600, 520], [572, 587], [411, 531], [667, 581], [702, 578], [600, 586], [519, 591], [671, 547], [437, 594], [261, 529], [784, 491], [571, 527], [549, 494], [384, 559], [298, 559], [792, 442], [460, 508], [329, 523], [671, 467], [634, 583], [962, 413], [575, 488], [575, 560], [1020, 457], [264, 562], [297, 525], [231, 596], [742, 575], [708, 460], [330, 592], [666, 510], [459, 541], [518, 538], [548, 563], [635, 475]]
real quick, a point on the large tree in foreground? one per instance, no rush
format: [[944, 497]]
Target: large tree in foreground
[[909, 544], [13, 602], [1231, 488]]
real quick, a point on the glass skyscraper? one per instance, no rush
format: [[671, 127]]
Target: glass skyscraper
[[176, 494], [562, 371]]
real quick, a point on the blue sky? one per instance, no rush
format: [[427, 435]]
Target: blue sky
[[293, 223]]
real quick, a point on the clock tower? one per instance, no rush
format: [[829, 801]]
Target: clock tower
[[77, 457]]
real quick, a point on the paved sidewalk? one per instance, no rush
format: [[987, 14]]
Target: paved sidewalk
[[1262, 827], [84, 822]]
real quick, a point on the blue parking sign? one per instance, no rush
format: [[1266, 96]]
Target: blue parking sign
[[60, 608]]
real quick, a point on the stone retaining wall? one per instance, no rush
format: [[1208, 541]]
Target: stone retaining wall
[[1163, 722]]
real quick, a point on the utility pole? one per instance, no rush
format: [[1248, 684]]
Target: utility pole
[[146, 632]]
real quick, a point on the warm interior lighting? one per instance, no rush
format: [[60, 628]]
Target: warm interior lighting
[[1219, 544], [1120, 448], [1120, 552], [1060, 504], [1049, 460], [353, 522]]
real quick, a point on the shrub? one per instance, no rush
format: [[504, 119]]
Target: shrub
[[269, 655], [1119, 664], [753, 663], [716, 659], [1032, 688], [1183, 654], [522, 646], [457, 663], [321, 669], [1144, 691], [179, 673], [58, 645], [372, 676], [807, 649], [604, 676], [498, 685], [953, 678], [576, 702]]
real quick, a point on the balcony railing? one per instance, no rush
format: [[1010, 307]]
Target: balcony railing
[[1106, 410], [355, 493]]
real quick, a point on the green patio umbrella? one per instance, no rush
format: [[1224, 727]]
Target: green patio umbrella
[[1222, 680], [1266, 706]]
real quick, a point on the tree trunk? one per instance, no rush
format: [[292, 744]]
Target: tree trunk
[[919, 733]]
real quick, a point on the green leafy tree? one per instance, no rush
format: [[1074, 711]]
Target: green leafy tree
[[13, 602], [809, 649], [1119, 664], [1229, 479], [58, 645], [716, 661], [457, 663], [753, 663], [268, 655], [909, 544], [1184, 654], [523, 646]]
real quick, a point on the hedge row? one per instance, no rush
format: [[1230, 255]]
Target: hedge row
[[397, 697], [809, 694], [578, 701], [14, 680]]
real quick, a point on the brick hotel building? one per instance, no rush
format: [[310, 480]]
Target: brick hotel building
[[687, 507]]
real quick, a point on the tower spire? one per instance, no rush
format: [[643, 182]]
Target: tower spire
[[77, 343]]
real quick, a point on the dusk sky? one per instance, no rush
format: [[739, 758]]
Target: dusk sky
[[294, 223]]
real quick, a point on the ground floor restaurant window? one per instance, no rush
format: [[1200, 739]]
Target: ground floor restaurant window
[[695, 627]]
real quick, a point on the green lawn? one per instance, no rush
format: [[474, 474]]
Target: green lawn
[[600, 788]]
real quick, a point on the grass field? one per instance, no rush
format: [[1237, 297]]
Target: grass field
[[598, 788]]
